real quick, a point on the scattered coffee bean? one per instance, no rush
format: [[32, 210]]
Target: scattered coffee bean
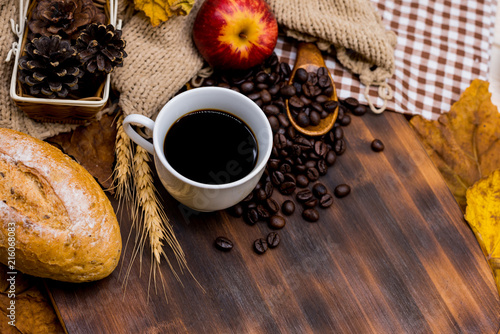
[[351, 103], [311, 215], [272, 205], [339, 147], [280, 141], [346, 120], [261, 195], [342, 190], [338, 133], [320, 148], [287, 188], [252, 216], [304, 195], [247, 87], [330, 106], [276, 222], [274, 122], [260, 246], [299, 167], [377, 145], [290, 178], [311, 203], [285, 168], [268, 188], [322, 167], [251, 205], [271, 110], [277, 178], [310, 164], [288, 207], [263, 213], [288, 90], [319, 190], [273, 239], [330, 158], [236, 210], [359, 110], [303, 143], [312, 174], [302, 181], [326, 201], [265, 96], [283, 120], [273, 163], [223, 244]]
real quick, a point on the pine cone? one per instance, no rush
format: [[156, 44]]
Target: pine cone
[[50, 67], [100, 47], [63, 17]]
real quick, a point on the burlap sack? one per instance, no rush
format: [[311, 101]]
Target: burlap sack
[[352, 29], [162, 59]]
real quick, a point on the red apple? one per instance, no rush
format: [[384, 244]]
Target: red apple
[[235, 34]]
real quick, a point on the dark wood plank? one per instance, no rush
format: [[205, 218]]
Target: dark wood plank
[[395, 256]]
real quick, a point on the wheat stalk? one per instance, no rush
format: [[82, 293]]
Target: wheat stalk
[[122, 181], [122, 172], [149, 220], [156, 227]]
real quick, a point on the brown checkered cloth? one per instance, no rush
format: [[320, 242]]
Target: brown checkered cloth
[[442, 46]]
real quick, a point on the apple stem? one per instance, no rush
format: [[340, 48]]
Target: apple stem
[[243, 35]]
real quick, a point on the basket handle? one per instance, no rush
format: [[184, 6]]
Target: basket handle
[[113, 14], [18, 29]]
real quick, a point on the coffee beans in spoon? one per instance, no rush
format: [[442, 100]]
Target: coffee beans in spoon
[[309, 96]]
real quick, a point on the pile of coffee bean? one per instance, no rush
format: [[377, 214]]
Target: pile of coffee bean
[[297, 161], [309, 96]]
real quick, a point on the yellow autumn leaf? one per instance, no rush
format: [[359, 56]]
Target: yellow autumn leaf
[[181, 7], [464, 143], [159, 11], [483, 215]]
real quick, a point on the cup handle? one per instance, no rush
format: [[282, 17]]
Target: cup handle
[[137, 138]]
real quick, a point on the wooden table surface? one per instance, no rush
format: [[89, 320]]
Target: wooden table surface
[[395, 256]]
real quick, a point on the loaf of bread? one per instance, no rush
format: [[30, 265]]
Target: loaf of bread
[[55, 220]]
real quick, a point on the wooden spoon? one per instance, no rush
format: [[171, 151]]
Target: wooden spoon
[[309, 58]]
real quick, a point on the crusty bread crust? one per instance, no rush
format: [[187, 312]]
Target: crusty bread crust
[[65, 226]]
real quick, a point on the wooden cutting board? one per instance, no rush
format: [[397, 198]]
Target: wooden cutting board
[[395, 256]]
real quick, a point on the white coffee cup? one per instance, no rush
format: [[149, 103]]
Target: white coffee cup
[[196, 195]]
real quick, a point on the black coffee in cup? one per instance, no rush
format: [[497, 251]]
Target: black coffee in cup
[[211, 147]]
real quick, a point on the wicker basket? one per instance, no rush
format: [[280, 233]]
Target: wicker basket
[[75, 111]]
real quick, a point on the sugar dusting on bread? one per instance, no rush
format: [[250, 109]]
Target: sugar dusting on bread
[[74, 197]]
